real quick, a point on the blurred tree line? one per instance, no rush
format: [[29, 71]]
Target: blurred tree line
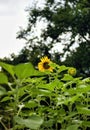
[[57, 24]]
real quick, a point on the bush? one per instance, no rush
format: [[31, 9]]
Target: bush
[[48, 100]]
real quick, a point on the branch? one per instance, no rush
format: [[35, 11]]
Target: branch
[[86, 39]]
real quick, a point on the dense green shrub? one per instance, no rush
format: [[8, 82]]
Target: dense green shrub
[[34, 100]]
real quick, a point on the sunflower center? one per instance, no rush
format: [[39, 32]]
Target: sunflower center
[[45, 65]]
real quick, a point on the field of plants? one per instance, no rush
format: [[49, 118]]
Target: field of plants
[[49, 97]]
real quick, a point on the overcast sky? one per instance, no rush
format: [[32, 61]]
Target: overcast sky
[[12, 16]]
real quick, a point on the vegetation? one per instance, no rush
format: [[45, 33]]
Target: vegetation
[[40, 94], [49, 99]]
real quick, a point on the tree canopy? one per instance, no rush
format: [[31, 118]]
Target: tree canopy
[[60, 17]]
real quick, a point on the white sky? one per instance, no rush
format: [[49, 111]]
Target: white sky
[[12, 16]]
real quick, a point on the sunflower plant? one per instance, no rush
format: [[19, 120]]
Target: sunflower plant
[[48, 98]]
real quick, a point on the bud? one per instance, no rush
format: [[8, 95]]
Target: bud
[[72, 71]]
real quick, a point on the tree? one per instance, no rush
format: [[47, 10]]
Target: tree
[[80, 59], [55, 18]]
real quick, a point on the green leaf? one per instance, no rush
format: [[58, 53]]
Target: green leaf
[[48, 123], [43, 92], [86, 80], [67, 77], [31, 104], [80, 89], [2, 90], [6, 99], [38, 73], [3, 78], [72, 127], [72, 99], [24, 70], [62, 68], [52, 85], [71, 115], [83, 110], [33, 122], [86, 123], [8, 68], [65, 100]]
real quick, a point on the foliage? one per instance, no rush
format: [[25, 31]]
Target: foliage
[[34, 100], [59, 17], [80, 59]]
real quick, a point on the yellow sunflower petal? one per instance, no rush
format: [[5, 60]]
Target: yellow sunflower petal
[[44, 64]]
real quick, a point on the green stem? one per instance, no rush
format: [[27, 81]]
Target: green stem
[[10, 86], [18, 111], [4, 125], [25, 98], [16, 98]]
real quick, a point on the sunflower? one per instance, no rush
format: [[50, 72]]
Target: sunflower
[[72, 71], [44, 64]]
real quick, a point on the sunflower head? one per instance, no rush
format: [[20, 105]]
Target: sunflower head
[[43, 65], [72, 71]]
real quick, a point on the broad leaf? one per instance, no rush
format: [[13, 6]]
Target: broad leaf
[[86, 123], [72, 127], [2, 90], [31, 104], [33, 122], [24, 70], [7, 98], [62, 68], [7, 67], [3, 78], [83, 110], [67, 77]]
